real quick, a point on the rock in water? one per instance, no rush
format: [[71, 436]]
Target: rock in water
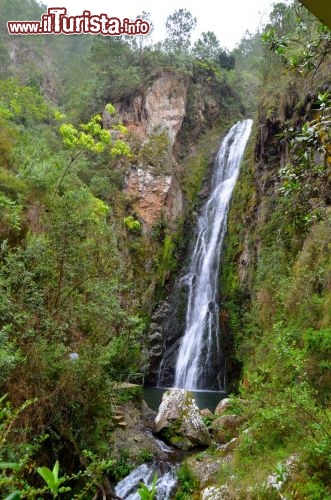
[[179, 420]]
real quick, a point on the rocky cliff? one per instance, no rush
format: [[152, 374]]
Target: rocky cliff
[[166, 119], [154, 118]]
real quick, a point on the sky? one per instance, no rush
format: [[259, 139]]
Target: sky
[[229, 19]]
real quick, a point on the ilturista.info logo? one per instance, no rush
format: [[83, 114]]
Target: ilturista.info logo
[[56, 22]]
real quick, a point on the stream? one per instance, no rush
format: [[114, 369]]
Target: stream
[[166, 471], [166, 483]]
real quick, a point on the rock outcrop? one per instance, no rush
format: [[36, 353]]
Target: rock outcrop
[[161, 107], [179, 421], [214, 493], [154, 118], [225, 428], [134, 437], [153, 195], [222, 406]]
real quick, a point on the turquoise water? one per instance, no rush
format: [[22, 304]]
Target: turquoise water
[[204, 399]]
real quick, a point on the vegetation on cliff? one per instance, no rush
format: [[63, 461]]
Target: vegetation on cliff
[[79, 272], [276, 273]]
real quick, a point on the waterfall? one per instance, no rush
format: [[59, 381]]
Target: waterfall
[[199, 356]]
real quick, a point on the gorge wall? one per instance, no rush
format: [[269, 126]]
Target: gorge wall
[[166, 120], [175, 126]]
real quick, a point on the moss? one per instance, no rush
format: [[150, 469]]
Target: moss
[[156, 152], [198, 164]]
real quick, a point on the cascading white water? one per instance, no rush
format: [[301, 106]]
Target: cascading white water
[[199, 346], [166, 483]]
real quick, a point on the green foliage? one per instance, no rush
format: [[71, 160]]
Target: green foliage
[[13, 496], [276, 263], [51, 478], [15, 456], [291, 44], [156, 152], [91, 137], [146, 456], [9, 354], [207, 47], [132, 224], [179, 26], [121, 467], [11, 212], [187, 482], [75, 270], [22, 104], [63, 285], [301, 177], [148, 492], [226, 60], [207, 420]]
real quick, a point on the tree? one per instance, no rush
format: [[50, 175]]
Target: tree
[[207, 47], [302, 43], [179, 26], [91, 137], [140, 42], [226, 60]]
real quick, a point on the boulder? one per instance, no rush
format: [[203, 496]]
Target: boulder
[[228, 403], [133, 437], [216, 493], [223, 405], [206, 413], [225, 428], [205, 468], [179, 420]]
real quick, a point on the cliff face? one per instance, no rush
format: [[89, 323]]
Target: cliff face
[[159, 107], [154, 119], [154, 195], [172, 126], [281, 203], [165, 120]]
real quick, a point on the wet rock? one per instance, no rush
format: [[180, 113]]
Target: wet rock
[[148, 416], [134, 438], [155, 343], [205, 192], [181, 442], [179, 417]]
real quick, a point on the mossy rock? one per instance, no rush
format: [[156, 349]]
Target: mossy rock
[[179, 418]]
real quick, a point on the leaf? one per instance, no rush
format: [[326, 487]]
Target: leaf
[[13, 496], [9, 465], [47, 476], [56, 471], [110, 108]]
